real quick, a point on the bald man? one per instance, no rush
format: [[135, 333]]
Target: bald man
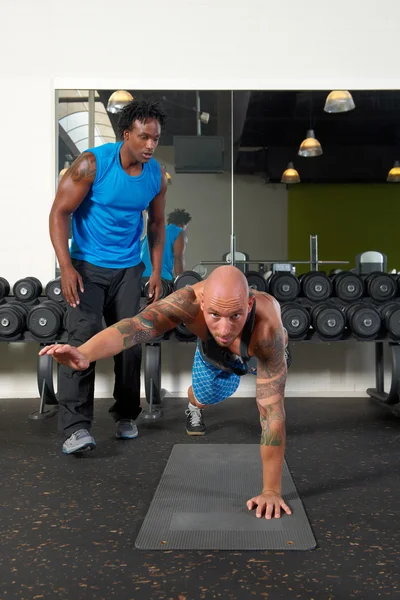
[[234, 326]]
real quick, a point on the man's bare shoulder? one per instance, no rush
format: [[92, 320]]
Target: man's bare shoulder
[[268, 326]]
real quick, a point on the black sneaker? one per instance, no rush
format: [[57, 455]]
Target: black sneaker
[[194, 422]]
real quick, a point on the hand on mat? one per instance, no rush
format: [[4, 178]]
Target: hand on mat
[[270, 503], [66, 355]]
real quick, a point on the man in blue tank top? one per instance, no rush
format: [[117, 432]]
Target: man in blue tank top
[[174, 249], [105, 191]]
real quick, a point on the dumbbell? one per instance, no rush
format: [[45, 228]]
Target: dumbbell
[[166, 289], [12, 319], [27, 289], [328, 321], [363, 320], [46, 320], [347, 286], [53, 290], [296, 320], [381, 286], [183, 334], [285, 287], [4, 288], [316, 286], [186, 278], [256, 281], [391, 318]]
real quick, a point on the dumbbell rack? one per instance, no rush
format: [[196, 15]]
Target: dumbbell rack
[[48, 402]]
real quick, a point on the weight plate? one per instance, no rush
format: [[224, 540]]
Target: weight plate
[[364, 321], [53, 290], [296, 320], [27, 289], [329, 321], [11, 321], [186, 278], [166, 288], [44, 321], [349, 287], [256, 281], [391, 317], [285, 287], [317, 287], [4, 288], [381, 287]]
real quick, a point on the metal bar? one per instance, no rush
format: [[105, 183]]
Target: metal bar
[[233, 235], [198, 113], [269, 260], [91, 107], [314, 252], [379, 371]]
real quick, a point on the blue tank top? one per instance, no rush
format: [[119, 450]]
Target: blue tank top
[[107, 226], [171, 233]]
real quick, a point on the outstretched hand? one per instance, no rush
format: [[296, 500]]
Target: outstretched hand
[[269, 503], [66, 355]]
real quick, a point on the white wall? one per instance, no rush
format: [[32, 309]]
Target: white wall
[[261, 44]]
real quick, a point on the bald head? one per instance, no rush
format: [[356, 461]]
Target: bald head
[[226, 282], [225, 303]]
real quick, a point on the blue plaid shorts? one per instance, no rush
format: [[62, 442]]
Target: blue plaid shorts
[[211, 385]]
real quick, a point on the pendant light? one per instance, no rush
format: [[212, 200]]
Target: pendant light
[[394, 173], [290, 175], [310, 146], [118, 100], [339, 101]]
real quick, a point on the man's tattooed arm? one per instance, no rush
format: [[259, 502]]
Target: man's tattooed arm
[[271, 379], [181, 306]]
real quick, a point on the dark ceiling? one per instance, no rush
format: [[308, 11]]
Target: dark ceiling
[[360, 145]]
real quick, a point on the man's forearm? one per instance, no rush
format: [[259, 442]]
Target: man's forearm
[[273, 437], [272, 464], [156, 240], [59, 237], [178, 265], [179, 307], [115, 339]]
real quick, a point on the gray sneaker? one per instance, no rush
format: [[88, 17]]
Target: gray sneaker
[[126, 429], [79, 441]]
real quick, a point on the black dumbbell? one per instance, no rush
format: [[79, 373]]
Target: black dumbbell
[[391, 318], [186, 278], [166, 289], [316, 286], [381, 286], [53, 290], [12, 319], [363, 320], [256, 281], [328, 321], [4, 288], [46, 320], [27, 289], [285, 287], [347, 286], [183, 334], [296, 320]]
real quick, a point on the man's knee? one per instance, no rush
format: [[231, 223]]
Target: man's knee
[[193, 400]]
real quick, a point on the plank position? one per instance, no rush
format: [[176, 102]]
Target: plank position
[[234, 326]]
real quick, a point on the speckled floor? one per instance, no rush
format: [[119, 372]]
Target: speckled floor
[[68, 524]]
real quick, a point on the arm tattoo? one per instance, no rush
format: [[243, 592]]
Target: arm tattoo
[[272, 419], [83, 168], [271, 380], [180, 307]]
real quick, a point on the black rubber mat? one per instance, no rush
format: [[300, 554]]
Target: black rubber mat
[[200, 504]]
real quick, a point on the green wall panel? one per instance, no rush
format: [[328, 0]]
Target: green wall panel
[[348, 219]]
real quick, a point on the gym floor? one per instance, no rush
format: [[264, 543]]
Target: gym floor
[[68, 524]]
